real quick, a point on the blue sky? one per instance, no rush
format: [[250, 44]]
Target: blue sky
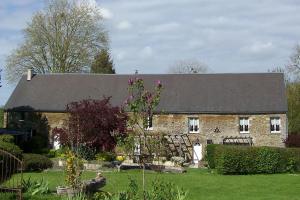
[[229, 36]]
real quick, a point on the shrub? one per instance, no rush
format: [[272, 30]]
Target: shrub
[[210, 151], [36, 162], [255, 160], [7, 144], [105, 156], [293, 140]]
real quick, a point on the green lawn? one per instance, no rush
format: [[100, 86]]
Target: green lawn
[[201, 184]]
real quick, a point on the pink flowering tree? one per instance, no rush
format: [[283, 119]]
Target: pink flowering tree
[[141, 103]]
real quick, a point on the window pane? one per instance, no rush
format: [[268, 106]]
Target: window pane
[[246, 128], [241, 128], [272, 127]]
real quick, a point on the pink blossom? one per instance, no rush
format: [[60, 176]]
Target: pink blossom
[[158, 83], [130, 81]]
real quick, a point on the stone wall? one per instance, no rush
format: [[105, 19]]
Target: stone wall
[[227, 125], [217, 127]]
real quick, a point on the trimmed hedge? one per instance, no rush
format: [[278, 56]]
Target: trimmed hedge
[[210, 151], [36, 162], [253, 160]]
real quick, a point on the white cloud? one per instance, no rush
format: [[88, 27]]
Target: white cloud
[[106, 13], [146, 52], [124, 25], [258, 47], [121, 55], [162, 28]]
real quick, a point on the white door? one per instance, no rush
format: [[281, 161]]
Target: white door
[[197, 153]]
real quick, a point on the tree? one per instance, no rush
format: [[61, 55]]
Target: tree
[[64, 37], [141, 104], [92, 123], [103, 64], [188, 67], [294, 64]]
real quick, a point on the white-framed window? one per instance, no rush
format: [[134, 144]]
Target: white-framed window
[[193, 125], [244, 125], [275, 125], [149, 123]]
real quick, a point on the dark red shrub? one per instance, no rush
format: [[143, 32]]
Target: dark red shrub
[[293, 140], [92, 123]]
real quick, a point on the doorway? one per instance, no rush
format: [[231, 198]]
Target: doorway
[[197, 152]]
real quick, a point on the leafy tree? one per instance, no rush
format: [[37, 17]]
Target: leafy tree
[[93, 123], [188, 67], [103, 63], [64, 37], [293, 95]]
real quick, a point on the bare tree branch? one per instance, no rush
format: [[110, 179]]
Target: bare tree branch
[[64, 37], [188, 67]]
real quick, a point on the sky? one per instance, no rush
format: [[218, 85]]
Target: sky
[[230, 36]]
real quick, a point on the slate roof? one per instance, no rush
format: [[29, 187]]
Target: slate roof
[[183, 93]]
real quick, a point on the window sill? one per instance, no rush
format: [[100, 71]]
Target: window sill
[[274, 132], [194, 132], [245, 132]]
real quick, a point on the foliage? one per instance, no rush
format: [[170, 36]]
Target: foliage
[[105, 156], [159, 190], [64, 37], [293, 140], [293, 96], [73, 170], [165, 191], [85, 152], [7, 144], [255, 160], [178, 160], [1, 115], [93, 124], [102, 63], [294, 64], [125, 145], [34, 123], [188, 67], [37, 187], [142, 103], [210, 152], [78, 196], [36, 162]]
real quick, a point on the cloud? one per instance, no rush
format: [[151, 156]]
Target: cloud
[[146, 52], [124, 25], [106, 13], [165, 27]]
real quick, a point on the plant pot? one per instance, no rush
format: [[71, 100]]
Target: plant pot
[[61, 190], [72, 192]]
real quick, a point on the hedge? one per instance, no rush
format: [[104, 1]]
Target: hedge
[[253, 160], [210, 151], [36, 162]]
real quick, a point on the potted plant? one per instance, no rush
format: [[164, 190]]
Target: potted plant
[[73, 171]]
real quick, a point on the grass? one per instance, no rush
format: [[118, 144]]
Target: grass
[[200, 184]]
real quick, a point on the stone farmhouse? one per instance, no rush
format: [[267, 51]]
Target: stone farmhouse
[[249, 108]]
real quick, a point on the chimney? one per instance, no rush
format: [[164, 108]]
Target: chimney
[[29, 74]]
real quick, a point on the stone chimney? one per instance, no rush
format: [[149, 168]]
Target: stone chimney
[[29, 74]]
